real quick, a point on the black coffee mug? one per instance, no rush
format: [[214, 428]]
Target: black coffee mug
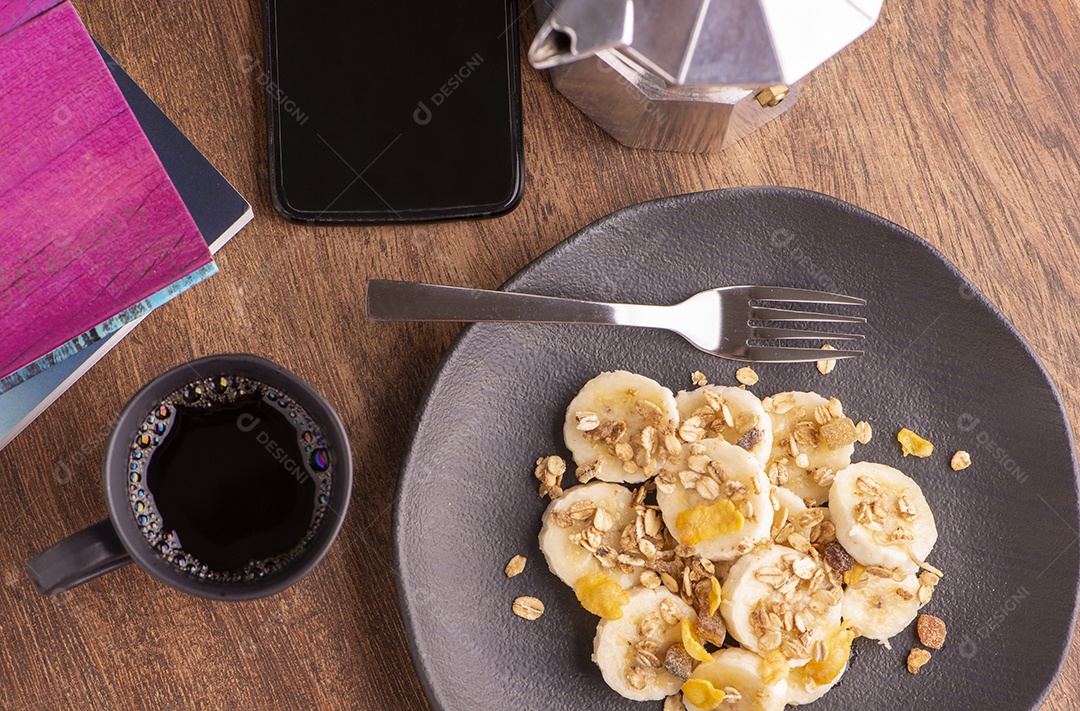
[[118, 540]]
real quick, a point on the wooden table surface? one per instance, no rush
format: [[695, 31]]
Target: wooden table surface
[[957, 120]]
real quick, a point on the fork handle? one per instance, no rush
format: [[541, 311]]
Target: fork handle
[[408, 301]]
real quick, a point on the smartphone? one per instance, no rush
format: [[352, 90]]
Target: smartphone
[[392, 111]]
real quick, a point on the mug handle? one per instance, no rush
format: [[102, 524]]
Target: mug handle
[[78, 558]]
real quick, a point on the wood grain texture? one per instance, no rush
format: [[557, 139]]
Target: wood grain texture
[[92, 223], [956, 120]]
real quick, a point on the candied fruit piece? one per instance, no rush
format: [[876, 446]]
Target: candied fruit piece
[[701, 693], [839, 646], [702, 523], [911, 443], [601, 595], [691, 643]]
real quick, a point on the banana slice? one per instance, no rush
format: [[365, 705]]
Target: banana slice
[[809, 682], [881, 516], [615, 427], [780, 599], [719, 503], [630, 650], [731, 414], [802, 689], [571, 535], [812, 440], [787, 505], [736, 673], [878, 605]]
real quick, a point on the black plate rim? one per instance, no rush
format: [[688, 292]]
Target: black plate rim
[[411, 626]]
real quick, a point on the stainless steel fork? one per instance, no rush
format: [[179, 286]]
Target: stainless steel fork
[[718, 321]]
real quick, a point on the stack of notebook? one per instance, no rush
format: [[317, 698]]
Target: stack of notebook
[[107, 211]]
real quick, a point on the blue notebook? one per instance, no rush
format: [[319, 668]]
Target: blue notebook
[[219, 211]]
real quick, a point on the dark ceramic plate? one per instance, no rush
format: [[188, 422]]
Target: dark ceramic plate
[[940, 360]]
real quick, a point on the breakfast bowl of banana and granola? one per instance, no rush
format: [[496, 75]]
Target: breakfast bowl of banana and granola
[[607, 519]]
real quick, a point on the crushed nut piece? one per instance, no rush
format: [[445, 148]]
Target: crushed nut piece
[[699, 378], [678, 662], [746, 375], [528, 608], [826, 366], [960, 460], [515, 566], [917, 659], [931, 631], [711, 628]]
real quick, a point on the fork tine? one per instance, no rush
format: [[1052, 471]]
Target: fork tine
[[765, 333], [768, 354], [767, 314], [780, 293]]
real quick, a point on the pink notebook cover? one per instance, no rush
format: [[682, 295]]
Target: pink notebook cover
[[91, 223]]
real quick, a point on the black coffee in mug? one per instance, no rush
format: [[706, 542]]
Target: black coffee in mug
[[230, 487], [229, 478]]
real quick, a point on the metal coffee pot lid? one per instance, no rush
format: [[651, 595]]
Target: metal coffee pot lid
[[747, 43]]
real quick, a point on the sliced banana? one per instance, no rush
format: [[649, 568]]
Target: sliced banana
[[802, 689], [615, 426], [719, 503], [780, 599], [630, 650], [881, 516], [739, 671], [731, 414], [878, 606], [809, 682], [786, 506], [800, 450], [571, 537]]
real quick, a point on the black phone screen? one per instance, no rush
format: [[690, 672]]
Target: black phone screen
[[387, 111]]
